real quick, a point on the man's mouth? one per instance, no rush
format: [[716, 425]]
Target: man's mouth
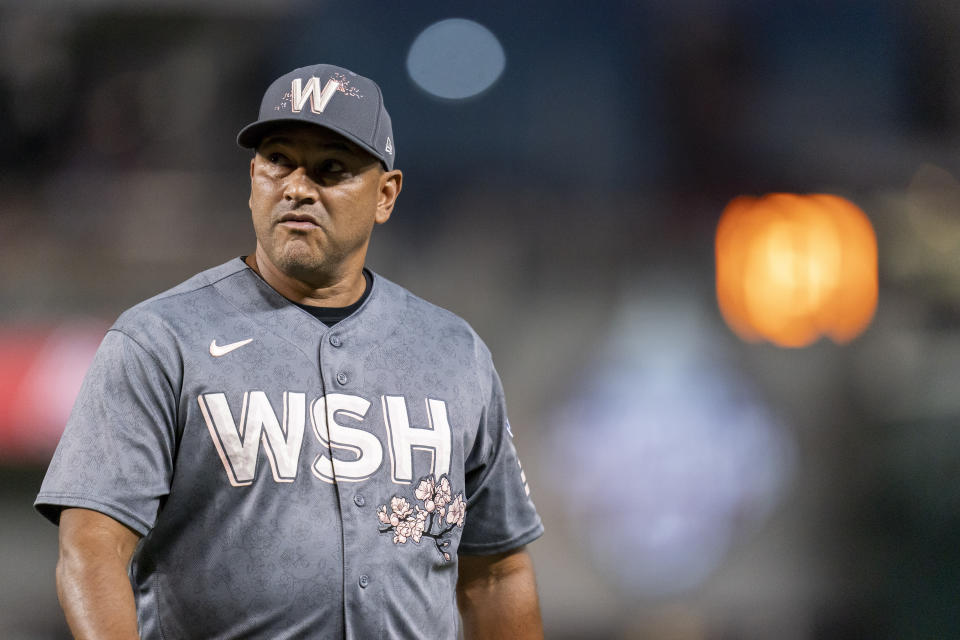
[[298, 221]]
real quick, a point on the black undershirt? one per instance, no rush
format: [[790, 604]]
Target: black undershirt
[[332, 315]]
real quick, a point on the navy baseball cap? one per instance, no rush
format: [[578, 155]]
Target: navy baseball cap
[[331, 97]]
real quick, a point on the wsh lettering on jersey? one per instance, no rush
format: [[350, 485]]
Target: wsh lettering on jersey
[[238, 442]]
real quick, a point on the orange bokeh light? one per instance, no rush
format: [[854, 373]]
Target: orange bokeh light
[[792, 268]]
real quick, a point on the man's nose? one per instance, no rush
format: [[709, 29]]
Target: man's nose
[[299, 188]]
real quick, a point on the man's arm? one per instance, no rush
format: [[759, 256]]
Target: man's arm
[[92, 581], [497, 596]]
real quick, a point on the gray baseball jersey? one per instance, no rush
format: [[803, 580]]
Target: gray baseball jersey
[[293, 480]]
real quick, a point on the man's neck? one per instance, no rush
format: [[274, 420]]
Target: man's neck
[[340, 292]]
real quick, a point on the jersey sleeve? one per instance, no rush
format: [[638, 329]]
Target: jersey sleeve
[[116, 452], [500, 515]]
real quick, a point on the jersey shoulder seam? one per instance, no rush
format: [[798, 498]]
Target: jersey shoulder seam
[[132, 339], [174, 291]]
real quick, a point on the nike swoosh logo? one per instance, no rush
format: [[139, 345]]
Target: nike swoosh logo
[[216, 350]]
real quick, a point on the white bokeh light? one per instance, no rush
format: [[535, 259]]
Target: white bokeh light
[[455, 59], [672, 453]]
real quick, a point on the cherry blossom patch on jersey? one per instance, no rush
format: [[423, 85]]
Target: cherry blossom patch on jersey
[[436, 518]]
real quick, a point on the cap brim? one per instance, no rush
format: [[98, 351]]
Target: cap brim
[[251, 135]]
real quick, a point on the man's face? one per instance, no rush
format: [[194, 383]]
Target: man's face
[[315, 197]]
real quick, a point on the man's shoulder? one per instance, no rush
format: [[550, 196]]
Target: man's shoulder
[[199, 281], [183, 298], [423, 318]]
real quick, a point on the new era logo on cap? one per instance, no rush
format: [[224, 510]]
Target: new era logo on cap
[[329, 97]]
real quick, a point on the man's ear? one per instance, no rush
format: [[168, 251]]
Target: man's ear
[[250, 200], [390, 184]]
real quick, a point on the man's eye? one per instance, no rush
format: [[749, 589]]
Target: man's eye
[[331, 166], [278, 158]]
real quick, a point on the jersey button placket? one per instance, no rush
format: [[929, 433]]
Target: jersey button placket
[[364, 581], [342, 378], [359, 500], [335, 340]]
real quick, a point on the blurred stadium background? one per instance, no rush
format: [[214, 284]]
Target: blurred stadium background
[[566, 167]]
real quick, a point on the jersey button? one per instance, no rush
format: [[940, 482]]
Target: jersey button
[[358, 500], [342, 378], [335, 340], [364, 581]]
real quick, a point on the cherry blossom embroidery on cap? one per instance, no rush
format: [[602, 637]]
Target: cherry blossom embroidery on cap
[[440, 513]]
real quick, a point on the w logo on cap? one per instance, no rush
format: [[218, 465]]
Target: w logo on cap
[[319, 98]]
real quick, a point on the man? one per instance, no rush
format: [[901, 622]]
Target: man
[[289, 445]]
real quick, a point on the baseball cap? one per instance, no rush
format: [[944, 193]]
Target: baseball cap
[[331, 97]]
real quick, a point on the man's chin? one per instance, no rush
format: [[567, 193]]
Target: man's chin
[[301, 264]]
